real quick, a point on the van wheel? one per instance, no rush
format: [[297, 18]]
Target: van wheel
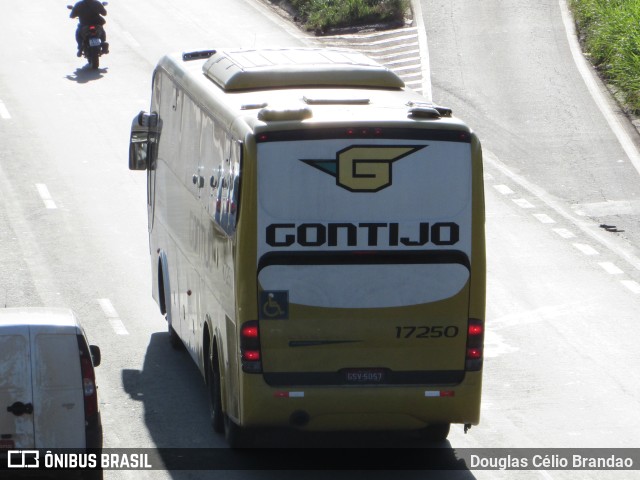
[[174, 339], [437, 432], [237, 436], [215, 396]]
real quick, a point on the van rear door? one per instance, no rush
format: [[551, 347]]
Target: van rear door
[[16, 401], [58, 400], [364, 253]]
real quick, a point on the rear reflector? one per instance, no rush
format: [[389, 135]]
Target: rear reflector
[[289, 394], [440, 393]]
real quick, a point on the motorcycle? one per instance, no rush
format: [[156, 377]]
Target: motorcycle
[[92, 45]]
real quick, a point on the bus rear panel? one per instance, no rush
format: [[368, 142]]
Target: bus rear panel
[[364, 257]]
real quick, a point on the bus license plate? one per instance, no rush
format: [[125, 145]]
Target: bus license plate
[[94, 42], [361, 376]]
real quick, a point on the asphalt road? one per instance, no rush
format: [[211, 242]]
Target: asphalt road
[[563, 293], [561, 162]]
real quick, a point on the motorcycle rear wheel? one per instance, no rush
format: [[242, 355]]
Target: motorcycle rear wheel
[[94, 60]]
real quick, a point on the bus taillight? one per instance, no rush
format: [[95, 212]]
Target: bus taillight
[[475, 344], [250, 347]]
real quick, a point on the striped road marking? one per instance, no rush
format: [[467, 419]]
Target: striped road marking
[[112, 316], [4, 113], [43, 191], [399, 50]]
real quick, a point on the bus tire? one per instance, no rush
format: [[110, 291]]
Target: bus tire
[[215, 396], [235, 435], [437, 432]]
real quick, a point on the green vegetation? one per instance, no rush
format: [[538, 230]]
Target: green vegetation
[[610, 32], [320, 15]]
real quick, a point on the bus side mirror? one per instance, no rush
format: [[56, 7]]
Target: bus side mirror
[[141, 126]]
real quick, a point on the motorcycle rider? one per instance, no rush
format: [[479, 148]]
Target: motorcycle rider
[[89, 12]]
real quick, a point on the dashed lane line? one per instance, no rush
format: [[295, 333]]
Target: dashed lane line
[[544, 218], [617, 247], [112, 316], [564, 233], [4, 112], [43, 191], [504, 189], [523, 203], [611, 268], [631, 285], [586, 249]]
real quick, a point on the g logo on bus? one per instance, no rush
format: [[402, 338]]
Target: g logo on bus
[[364, 168]]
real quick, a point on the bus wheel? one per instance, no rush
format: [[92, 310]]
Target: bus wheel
[[236, 436], [437, 432], [215, 397]]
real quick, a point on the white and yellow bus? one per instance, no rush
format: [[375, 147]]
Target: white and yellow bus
[[317, 241]]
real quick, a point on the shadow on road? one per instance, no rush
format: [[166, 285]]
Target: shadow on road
[[176, 413], [86, 74]]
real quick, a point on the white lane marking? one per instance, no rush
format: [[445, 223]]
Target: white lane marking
[[523, 203], [112, 316], [108, 308], [590, 81], [586, 249], [631, 285], [564, 233], [118, 326], [4, 112], [611, 268], [589, 228], [503, 189], [610, 207], [406, 59], [129, 39], [43, 191], [544, 218]]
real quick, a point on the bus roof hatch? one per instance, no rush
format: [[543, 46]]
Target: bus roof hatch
[[298, 67]]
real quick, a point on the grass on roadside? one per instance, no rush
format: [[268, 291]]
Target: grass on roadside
[[610, 32], [320, 15]]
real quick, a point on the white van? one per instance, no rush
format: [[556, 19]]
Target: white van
[[48, 395]]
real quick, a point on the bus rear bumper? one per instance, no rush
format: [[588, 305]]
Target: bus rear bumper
[[362, 407]]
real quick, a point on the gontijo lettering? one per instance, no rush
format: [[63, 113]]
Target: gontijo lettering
[[361, 234]]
